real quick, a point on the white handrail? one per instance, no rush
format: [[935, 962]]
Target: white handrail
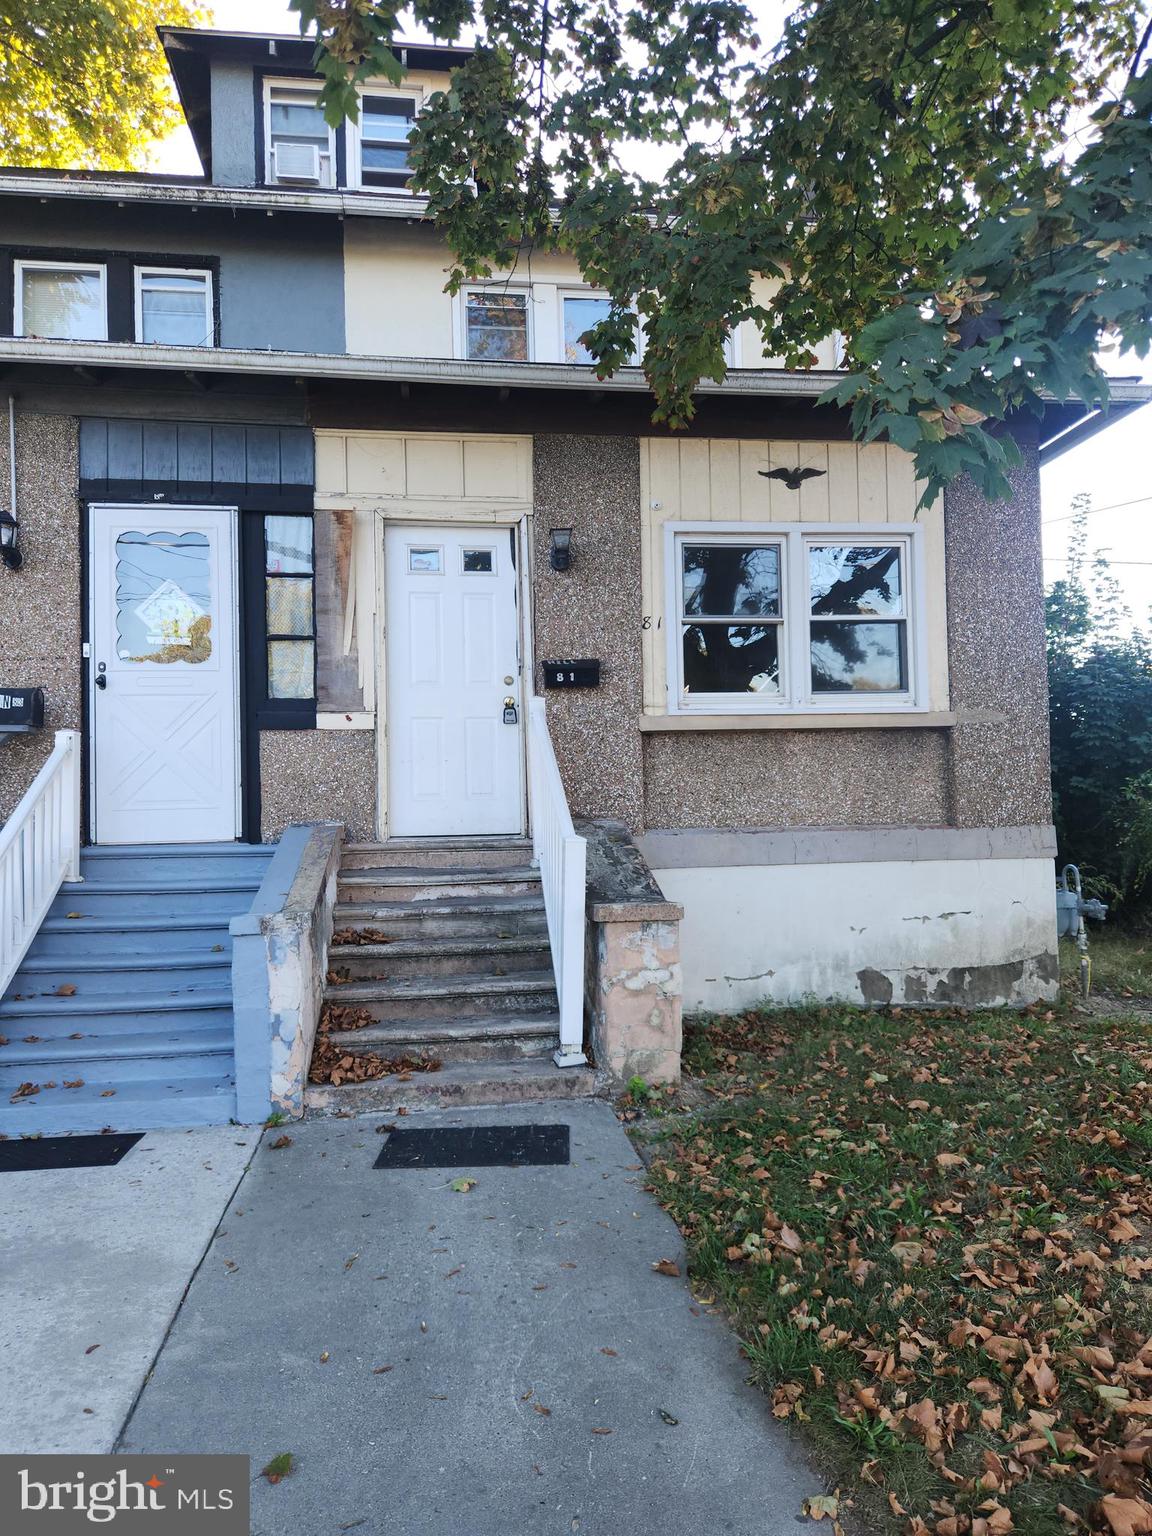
[[562, 856], [39, 850]]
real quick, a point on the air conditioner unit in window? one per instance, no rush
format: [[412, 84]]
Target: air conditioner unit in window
[[296, 162]]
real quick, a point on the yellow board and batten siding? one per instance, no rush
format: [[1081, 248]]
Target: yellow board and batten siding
[[720, 480]]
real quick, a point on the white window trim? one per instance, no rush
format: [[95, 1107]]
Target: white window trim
[[796, 696], [138, 276], [354, 133], [460, 325], [20, 267], [296, 83]]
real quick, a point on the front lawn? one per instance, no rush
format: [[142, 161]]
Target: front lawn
[[1121, 962], [932, 1233]]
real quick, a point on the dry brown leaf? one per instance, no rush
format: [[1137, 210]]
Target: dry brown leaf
[[666, 1267]]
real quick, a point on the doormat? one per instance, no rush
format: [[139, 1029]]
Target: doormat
[[33, 1153], [478, 1146]]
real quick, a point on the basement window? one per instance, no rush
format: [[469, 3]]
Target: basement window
[[784, 618], [289, 607], [61, 301]]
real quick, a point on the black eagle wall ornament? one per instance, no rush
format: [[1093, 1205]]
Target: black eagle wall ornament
[[792, 478]]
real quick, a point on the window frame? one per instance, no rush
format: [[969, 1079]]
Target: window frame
[[295, 83], [355, 134], [22, 264], [295, 704], [566, 291], [502, 288], [140, 272], [796, 695]]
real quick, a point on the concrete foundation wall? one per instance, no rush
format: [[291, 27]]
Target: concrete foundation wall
[[40, 603], [974, 932]]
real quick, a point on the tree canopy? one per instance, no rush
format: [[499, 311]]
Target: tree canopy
[[962, 190], [85, 84]]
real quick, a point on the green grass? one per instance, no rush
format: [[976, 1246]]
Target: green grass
[[873, 1197], [1121, 962]]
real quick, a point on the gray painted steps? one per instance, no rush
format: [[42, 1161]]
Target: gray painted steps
[[161, 1100], [441, 956], [148, 1031], [512, 1082], [498, 1037]]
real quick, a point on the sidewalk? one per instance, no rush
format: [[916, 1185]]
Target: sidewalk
[[93, 1265], [439, 1363]]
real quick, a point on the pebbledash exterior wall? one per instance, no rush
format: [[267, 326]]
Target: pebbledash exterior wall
[[904, 864]]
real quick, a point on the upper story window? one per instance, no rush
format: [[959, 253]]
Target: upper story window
[[385, 124], [299, 147], [496, 325], [783, 618], [66, 301], [581, 311], [174, 306]]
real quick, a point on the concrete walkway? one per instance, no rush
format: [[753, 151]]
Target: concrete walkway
[[438, 1362], [93, 1265]]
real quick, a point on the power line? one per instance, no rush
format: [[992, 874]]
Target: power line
[[1091, 511], [1064, 559]]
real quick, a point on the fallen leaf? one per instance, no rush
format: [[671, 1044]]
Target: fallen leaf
[[1126, 1517], [65, 989], [324, 1358], [545, 1413], [90, 1348], [379, 1370], [822, 1506], [279, 1467], [281, 1141], [601, 1431], [606, 1351], [666, 1267], [667, 1417], [109, 1093], [462, 1186]]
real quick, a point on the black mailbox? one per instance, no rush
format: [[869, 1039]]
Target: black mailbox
[[21, 709], [572, 674]]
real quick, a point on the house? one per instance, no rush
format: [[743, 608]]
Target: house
[[316, 555]]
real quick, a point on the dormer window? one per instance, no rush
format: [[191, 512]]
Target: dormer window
[[385, 124], [300, 147]]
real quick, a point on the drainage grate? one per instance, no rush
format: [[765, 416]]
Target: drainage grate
[[479, 1146], [39, 1152]]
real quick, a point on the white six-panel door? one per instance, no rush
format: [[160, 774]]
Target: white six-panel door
[[165, 727], [455, 760]]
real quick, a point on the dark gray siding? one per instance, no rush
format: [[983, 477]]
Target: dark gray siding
[[233, 125], [281, 279]]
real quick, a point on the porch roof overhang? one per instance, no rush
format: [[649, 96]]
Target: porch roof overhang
[[1065, 423]]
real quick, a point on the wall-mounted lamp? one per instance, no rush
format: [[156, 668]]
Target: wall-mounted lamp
[[560, 548], [9, 541]]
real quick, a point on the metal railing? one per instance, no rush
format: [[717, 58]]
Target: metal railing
[[562, 856], [39, 850]]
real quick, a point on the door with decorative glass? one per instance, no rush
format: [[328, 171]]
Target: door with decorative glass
[[165, 732]]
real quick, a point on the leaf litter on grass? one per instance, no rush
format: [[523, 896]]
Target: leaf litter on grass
[[934, 1234]]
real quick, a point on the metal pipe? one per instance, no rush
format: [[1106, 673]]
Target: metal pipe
[[12, 452]]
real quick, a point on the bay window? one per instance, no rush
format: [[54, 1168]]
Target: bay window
[[788, 619]]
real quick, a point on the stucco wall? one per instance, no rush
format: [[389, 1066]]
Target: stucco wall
[[318, 776], [593, 609], [233, 124], [40, 603], [1000, 769]]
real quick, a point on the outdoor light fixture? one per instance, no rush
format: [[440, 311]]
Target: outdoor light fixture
[[9, 548], [560, 548]]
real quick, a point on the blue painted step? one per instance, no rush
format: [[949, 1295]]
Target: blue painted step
[[147, 1034]]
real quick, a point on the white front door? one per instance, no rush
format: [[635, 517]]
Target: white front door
[[455, 761], [165, 732]]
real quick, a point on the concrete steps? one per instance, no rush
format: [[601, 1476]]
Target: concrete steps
[[456, 968], [126, 993]]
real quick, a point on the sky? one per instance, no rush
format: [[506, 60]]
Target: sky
[[1114, 466]]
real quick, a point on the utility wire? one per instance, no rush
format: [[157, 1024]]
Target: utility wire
[[1067, 517]]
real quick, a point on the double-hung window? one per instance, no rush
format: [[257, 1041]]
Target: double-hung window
[[496, 324], [174, 307], [62, 300], [299, 146], [789, 619], [385, 124]]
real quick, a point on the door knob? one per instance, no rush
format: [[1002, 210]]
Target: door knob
[[101, 679]]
